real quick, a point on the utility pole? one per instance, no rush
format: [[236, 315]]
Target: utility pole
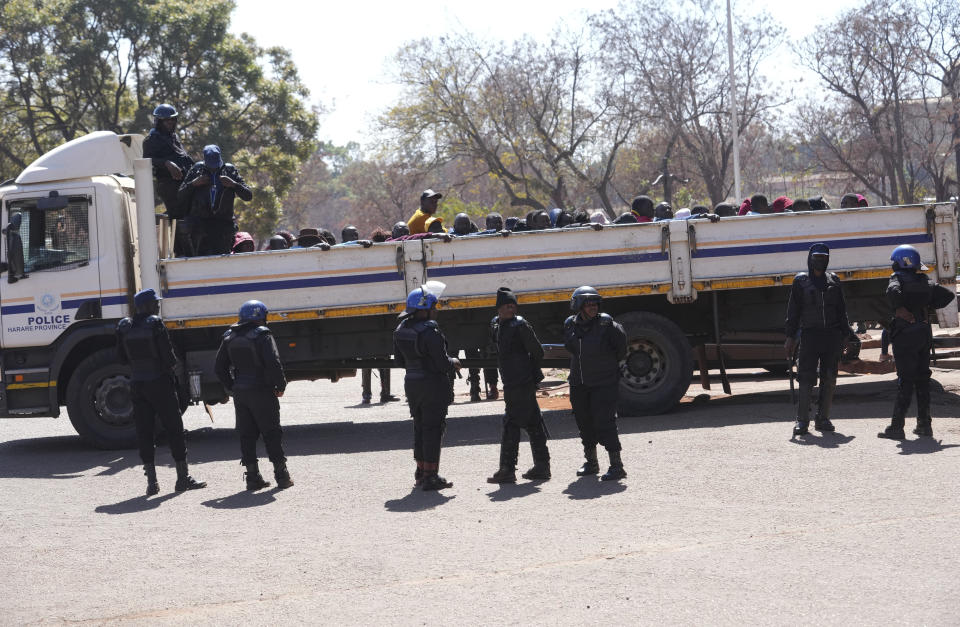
[[734, 120]]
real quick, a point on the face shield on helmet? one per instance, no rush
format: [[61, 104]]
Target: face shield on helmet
[[907, 257], [425, 297]]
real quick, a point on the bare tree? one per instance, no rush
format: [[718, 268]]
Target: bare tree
[[673, 58]]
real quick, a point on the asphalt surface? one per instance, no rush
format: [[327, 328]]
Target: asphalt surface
[[724, 519]]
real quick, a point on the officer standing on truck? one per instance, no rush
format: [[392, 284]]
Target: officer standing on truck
[[597, 344], [519, 354], [143, 344], [911, 295], [170, 164], [421, 348], [208, 191], [817, 317], [248, 366]]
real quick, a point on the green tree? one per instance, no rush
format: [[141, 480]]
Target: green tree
[[69, 67]]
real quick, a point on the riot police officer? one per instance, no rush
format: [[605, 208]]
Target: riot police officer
[[519, 354], [911, 294], [170, 163], [248, 365], [143, 344], [421, 348], [817, 313], [597, 345]]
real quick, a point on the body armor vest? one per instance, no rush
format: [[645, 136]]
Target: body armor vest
[[139, 337], [242, 346]]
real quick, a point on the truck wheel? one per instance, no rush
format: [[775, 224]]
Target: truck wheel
[[99, 402], [657, 370]]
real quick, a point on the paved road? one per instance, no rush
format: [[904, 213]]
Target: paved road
[[723, 520]]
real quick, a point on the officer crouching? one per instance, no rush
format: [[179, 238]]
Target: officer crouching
[[143, 344], [248, 366], [519, 354], [421, 348], [597, 345], [910, 295]]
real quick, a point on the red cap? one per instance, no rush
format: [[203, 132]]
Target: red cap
[[781, 203]]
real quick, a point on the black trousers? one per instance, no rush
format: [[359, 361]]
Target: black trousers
[[366, 377], [428, 399], [167, 191], [819, 354], [522, 412], [490, 375], [211, 236], [595, 410], [258, 414], [152, 400], [911, 351]]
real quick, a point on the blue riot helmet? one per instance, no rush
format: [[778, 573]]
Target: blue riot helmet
[[425, 296], [583, 295], [146, 301], [164, 112], [907, 257], [253, 311]]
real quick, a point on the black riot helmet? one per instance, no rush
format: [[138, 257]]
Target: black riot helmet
[[164, 112], [583, 295]]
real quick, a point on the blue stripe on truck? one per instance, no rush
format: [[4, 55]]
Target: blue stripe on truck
[[760, 249], [17, 309], [549, 264], [291, 284]]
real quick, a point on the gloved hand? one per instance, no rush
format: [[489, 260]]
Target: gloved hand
[[596, 227], [365, 243]]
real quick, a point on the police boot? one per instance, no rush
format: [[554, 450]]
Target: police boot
[[492, 392], [508, 461], [418, 474], [895, 430], [254, 479], [150, 471], [185, 481], [432, 479], [616, 471], [924, 427], [541, 458], [385, 395], [591, 466], [821, 421], [282, 475], [803, 410]]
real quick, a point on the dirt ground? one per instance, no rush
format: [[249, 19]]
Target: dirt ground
[[724, 519]]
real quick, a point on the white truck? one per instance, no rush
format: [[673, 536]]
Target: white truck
[[90, 238]]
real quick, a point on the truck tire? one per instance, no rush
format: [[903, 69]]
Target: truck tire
[[657, 370], [99, 402]]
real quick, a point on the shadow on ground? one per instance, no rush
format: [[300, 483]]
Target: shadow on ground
[[65, 457]]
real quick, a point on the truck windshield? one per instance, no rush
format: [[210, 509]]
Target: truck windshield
[[53, 239]]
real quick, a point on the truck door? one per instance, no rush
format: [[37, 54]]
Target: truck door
[[58, 280]]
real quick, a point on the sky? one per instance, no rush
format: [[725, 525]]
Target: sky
[[342, 49]]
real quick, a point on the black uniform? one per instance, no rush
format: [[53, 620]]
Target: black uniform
[[143, 344], [519, 355], [161, 147], [248, 365], [818, 312], [210, 210], [911, 343], [597, 346], [420, 347]]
